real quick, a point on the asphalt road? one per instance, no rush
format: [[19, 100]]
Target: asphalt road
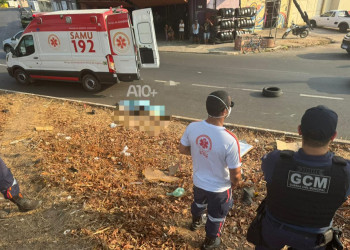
[[307, 77]]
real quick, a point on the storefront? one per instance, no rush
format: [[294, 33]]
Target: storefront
[[64, 5], [164, 11]]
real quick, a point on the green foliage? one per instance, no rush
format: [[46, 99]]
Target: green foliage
[[3, 2]]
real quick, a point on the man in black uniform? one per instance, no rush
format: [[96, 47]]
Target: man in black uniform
[[305, 188]]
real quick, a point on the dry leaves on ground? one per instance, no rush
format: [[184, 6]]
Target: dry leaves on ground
[[82, 157]]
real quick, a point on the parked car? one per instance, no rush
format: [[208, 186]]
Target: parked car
[[346, 43], [26, 16], [333, 19], [25, 21], [25, 12], [11, 42]]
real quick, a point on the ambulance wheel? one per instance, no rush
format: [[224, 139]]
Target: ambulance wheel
[[21, 77], [90, 83], [343, 27]]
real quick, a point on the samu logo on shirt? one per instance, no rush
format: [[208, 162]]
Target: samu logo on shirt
[[308, 182], [204, 144]]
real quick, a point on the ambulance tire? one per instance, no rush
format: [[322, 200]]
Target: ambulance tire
[[21, 77], [90, 83]]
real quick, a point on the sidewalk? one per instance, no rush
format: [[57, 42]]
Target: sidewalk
[[316, 37]]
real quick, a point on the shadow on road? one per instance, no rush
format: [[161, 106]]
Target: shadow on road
[[257, 95], [344, 66], [52, 88], [2, 54], [325, 30], [330, 85], [326, 56]]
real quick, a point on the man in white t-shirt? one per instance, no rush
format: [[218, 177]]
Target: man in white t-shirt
[[216, 166], [181, 30], [195, 31]]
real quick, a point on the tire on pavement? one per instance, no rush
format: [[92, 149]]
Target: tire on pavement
[[90, 83], [343, 27], [348, 50], [313, 24], [272, 92], [21, 77]]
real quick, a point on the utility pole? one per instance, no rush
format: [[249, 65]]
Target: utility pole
[[304, 15]]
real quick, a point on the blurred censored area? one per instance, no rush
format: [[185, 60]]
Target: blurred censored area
[[141, 115]]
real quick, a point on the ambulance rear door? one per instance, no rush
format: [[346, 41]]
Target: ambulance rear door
[[146, 38], [121, 43]]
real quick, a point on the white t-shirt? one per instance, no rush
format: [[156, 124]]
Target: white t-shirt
[[214, 151], [182, 27], [195, 29]]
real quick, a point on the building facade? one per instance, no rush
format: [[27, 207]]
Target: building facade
[[288, 12], [15, 4], [64, 5], [52, 5], [165, 12], [171, 11]]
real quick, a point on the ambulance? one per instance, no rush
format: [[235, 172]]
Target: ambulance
[[92, 47]]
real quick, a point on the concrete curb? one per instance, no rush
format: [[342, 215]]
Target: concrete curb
[[180, 118], [202, 52], [257, 129], [233, 53], [58, 98]]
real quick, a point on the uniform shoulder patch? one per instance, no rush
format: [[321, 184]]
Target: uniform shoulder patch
[[339, 160], [286, 154]]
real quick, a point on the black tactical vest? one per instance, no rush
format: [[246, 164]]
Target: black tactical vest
[[306, 196]]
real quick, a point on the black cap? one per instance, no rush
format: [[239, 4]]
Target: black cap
[[217, 101], [319, 123]]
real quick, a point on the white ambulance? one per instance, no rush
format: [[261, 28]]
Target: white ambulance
[[93, 47]]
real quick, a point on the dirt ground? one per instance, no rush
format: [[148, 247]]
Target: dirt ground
[[294, 41], [95, 197]]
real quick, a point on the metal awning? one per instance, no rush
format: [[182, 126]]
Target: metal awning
[[153, 3], [130, 3]]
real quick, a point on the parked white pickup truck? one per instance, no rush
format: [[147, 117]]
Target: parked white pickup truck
[[334, 19]]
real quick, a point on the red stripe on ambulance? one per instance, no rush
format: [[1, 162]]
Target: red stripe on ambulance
[[63, 78]]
